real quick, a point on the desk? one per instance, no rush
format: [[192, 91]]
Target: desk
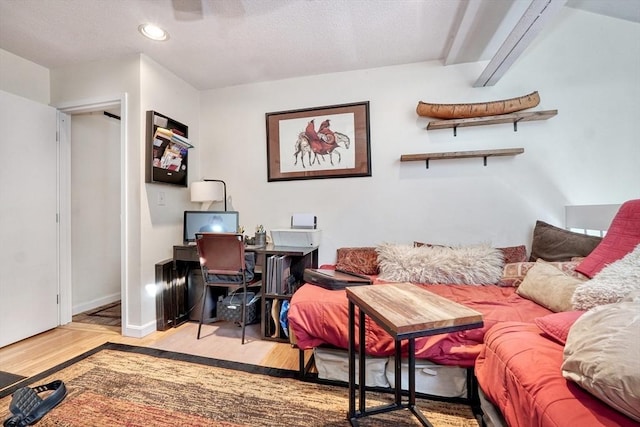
[[180, 298], [406, 311], [180, 279]]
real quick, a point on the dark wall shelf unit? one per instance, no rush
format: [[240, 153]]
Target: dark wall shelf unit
[[167, 152]]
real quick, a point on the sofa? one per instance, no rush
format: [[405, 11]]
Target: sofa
[[528, 292]]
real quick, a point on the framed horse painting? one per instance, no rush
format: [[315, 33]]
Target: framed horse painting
[[321, 142]]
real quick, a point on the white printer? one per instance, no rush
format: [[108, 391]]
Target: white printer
[[303, 232]]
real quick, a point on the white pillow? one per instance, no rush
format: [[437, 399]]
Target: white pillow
[[602, 355], [470, 265], [611, 284]]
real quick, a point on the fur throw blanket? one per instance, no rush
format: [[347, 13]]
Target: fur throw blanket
[[611, 284], [467, 265]]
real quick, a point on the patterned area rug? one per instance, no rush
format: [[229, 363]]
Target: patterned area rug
[[119, 385]]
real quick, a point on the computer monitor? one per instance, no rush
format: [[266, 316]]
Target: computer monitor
[[208, 222]]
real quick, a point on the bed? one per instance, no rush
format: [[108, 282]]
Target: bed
[[318, 317], [318, 320]]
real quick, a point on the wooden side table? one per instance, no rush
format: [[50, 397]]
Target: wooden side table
[[406, 311]]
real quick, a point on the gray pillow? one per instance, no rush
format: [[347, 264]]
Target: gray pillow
[[557, 244]]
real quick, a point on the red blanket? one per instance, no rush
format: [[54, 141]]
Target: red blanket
[[519, 371], [319, 316]]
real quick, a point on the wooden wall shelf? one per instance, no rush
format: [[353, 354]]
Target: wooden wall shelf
[[461, 155], [492, 120]]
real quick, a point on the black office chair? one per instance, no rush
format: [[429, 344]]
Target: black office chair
[[222, 262]]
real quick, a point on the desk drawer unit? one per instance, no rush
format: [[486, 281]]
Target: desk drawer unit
[[186, 253]]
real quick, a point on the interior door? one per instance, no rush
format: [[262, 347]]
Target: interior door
[[28, 219]]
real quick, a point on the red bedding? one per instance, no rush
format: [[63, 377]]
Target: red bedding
[[319, 316], [519, 371]]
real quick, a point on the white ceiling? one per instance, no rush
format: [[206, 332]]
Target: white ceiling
[[218, 43]]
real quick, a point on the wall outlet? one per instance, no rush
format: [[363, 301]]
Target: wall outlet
[[161, 198]]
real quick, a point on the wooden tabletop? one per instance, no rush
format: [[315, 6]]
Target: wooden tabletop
[[409, 309]]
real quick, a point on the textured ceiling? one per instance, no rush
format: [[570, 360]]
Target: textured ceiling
[[218, 43]]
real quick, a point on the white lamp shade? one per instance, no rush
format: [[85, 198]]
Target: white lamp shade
[[206, 191]]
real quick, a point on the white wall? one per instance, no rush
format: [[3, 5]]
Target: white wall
[[24, 78], [152, 230], [112, 79], [587, 67], [161, 225]]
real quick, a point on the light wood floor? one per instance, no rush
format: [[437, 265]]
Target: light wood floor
[[46, 350]]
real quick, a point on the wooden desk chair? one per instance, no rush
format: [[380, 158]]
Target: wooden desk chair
[[222, 263]]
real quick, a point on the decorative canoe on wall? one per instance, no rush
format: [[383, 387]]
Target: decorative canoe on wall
[[479, 109]]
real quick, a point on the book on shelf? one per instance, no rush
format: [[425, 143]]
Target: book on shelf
[[163, 133], [285, 274], [179, 139], [269, 273], [291, 285], [279, 277], [172, 135]]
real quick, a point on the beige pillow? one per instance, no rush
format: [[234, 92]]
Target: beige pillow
[[548, 286], [602, 355]]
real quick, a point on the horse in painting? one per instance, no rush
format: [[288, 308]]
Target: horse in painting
[[303, 146]]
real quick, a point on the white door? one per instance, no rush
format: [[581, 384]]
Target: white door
[[28, 223]]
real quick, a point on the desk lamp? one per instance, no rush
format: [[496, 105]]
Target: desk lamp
[[207, 192]]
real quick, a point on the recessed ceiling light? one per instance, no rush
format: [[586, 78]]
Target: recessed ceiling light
[[153, 32]]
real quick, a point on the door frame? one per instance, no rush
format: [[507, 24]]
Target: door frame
[[64, 199]]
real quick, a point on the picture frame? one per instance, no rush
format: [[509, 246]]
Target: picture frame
[[320, 142]]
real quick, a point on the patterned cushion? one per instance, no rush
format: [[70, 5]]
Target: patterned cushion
[[623, 235], [513, 273], [514, 254], [362, 260]]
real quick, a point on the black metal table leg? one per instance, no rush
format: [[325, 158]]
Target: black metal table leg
[[352, 364], [398, 371], [412, 384], [412, 372], [361, 364]]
